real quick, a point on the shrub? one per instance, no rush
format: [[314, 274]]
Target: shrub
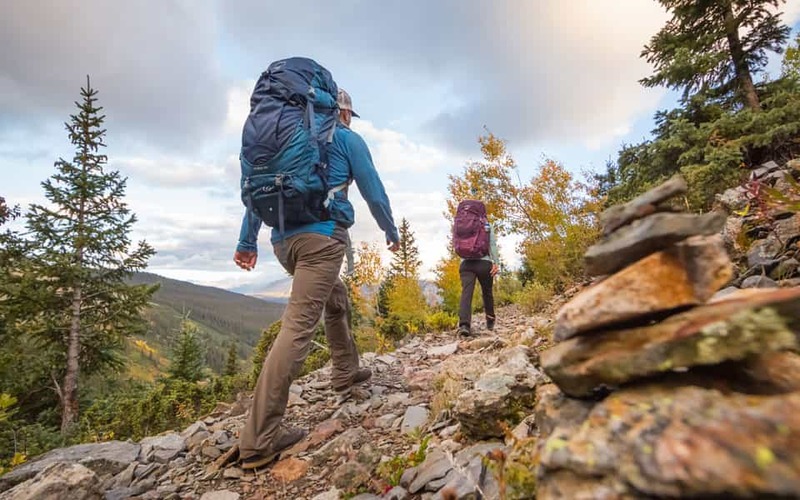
[[442, 321], [534, 297], [507, 286]]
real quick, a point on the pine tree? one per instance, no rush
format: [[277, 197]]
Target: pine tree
[[187, 360], [232, 363], [405, 262], [83, 256], [715, 47], [9, 255]]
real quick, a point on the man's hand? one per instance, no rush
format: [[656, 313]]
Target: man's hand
[[494, 270], [245, 260], [393, 246]]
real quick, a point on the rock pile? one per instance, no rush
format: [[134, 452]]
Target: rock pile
[[660, 389], [765, 247]]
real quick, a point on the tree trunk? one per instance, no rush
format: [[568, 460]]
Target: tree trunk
[[69, 400], [746, 86]]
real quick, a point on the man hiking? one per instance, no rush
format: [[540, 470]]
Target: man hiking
[[312, 252], [474, 241]]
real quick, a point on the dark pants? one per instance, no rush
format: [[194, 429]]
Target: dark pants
[[470, 271]]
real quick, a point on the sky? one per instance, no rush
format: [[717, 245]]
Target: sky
[[555, 78]]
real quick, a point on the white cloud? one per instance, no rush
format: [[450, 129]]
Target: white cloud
[[153, 62], [238, 106], [393, 151], [179, 172]]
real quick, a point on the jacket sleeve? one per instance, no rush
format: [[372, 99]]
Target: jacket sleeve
[[370, 185], [493, 246], [248, 234]]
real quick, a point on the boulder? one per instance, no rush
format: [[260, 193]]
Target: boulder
[[726, 330], [466, 481], [764, 253], [350, 476], [109, 458], [554, 408], [787, 230], [645, 236], [641, 206], [734, 199], [220, 495], [785, 269], [759, 282], [662, 440], [762, 170], [435, 466], [502, 395], [414, 418], [57, 481], [340, 444], [162, 449], [663, 281], [777, 372], [732, 235]]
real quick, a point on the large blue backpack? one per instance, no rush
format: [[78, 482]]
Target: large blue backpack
[[293, 115]]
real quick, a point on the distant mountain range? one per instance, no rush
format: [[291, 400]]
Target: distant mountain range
[[274, 291], [278, 291]]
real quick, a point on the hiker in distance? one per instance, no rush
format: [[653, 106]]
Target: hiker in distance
[[298, 157], [474, 241]]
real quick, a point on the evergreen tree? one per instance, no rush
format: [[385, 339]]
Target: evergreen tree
[[715, 47], [232, 363], [405, 262], [383, 295], [187, 360], [9, 253], [82, 256]]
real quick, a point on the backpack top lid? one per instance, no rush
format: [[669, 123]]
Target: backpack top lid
[[475, 206], [278, 103]]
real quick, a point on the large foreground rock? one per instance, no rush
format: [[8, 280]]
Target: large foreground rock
[[661, 440], [645, 236], [724, 331], [58, 481], [107, 458], [641, 206], [500, 396], [686, 274]]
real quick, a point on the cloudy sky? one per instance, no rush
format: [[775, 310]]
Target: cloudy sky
[[556, 78]]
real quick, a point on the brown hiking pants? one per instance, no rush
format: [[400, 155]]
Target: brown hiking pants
[[315, 261]]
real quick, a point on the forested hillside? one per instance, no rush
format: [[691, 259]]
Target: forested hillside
[[221, 316]]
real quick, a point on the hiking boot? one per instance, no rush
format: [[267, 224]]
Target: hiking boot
[[490, 323], [464, 331], [362, 375], [285, 438]]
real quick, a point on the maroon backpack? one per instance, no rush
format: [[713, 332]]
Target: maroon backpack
[[471, 230]]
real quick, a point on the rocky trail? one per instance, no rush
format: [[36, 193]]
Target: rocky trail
[[670, 375], [381, 421]]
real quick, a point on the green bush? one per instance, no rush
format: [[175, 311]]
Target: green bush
[[534, 297], [507, 286], [143, 410], [442, 321]]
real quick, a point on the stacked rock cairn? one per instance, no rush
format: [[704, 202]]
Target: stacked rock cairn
[[661, 389]]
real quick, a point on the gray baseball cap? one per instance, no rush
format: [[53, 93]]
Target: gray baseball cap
[[345, 102]]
